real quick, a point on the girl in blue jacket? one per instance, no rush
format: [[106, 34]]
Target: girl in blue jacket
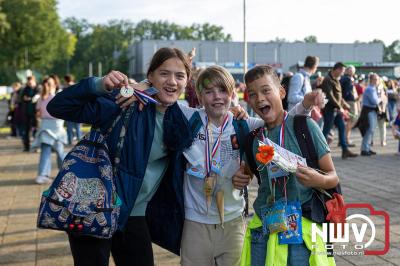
[[152, 206]]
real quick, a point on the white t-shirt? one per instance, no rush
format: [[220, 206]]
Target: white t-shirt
[[194, 198]]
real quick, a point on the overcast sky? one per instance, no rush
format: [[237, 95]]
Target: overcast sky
[[335, 21]]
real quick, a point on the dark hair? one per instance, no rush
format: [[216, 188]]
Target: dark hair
[[165, 53], [68, 78], [258, 72], [56, 80], [338, 65], [311, 61], [44, 88]]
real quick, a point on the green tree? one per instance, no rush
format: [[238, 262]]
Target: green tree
[[163, 30], [278, 39], [78, 27], [310, 39], [392, 52], [3, 21], [105, 43], [35, 38], [385, 49]]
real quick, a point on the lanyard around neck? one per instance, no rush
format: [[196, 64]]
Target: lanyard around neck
[[209, 156], [282, 131], [272, 183]]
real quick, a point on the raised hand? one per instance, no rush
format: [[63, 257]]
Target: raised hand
[[314, 98], [115, 79]]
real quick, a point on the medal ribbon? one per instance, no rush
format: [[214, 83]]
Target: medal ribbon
[[281, 143], [144, 97], [215, 146]]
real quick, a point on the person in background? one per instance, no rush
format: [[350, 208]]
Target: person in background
[[316, 113], [57, 82], [28, 99], [51, 134], [393, 95], [383, 117], [335, 107], [368, 118], [285, 84], [300, 83], [190, 91], [14, 113], [396, 127], [73, 129], [349, 95], [360, 87]]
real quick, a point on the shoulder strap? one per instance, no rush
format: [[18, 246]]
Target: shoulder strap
[[241, 130], [126, 116], [305, 141], [304, 81], [195, 123], [307, 146], [248, 151]]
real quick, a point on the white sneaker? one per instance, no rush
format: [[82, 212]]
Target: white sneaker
[[41, 179]]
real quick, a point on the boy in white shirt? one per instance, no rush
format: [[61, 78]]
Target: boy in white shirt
[[205, 240]]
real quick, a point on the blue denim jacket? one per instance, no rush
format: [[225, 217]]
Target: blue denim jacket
[[370, 97], [85, 103]]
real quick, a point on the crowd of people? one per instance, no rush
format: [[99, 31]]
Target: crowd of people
[[29, 120], [194, 171], [351, 101]]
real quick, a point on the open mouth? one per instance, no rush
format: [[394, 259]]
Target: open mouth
[[217, 105], [264, 110], [170, 90]]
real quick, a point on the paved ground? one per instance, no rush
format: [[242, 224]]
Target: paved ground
[[374, 180]]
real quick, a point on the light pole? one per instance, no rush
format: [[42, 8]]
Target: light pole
[[244, 39]]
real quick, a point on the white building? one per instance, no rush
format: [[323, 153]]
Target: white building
[[230, 54]]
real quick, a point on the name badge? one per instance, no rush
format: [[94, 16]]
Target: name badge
[[274, 171], [216, 166]]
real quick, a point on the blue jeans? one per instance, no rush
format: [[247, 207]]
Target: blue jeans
[[70, 131], [298, 254], [366, 141], [45, 157], [333, 117], [391, 109]]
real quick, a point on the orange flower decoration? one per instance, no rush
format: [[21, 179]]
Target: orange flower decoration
[[265, 154]]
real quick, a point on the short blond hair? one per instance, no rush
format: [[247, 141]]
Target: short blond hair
[[215, 76]]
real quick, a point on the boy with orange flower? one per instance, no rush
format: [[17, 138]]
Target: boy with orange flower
[[265, 98]]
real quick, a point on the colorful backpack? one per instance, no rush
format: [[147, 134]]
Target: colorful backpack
[[82, 199]]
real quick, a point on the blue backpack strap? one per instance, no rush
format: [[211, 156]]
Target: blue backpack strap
[[241, 130], [195, 123]]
